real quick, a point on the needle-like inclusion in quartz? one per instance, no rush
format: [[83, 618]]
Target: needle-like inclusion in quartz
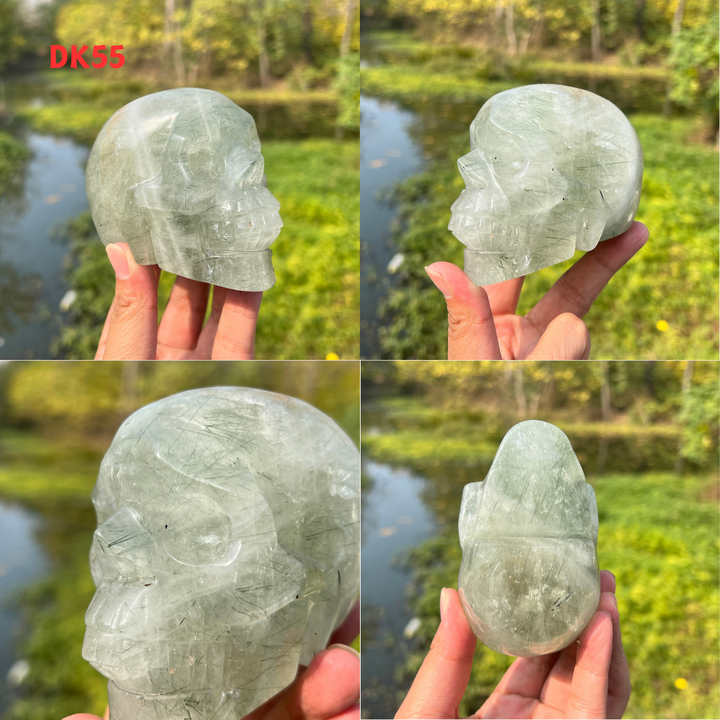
[[226, 552], [178, 176], [529, 580], [551, 170]]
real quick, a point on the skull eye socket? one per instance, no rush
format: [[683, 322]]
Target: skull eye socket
[[202, 161], [508, 161], [194, 530]]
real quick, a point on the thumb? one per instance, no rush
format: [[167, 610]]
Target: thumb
[[133, 319], [441, 681], [471, 327]]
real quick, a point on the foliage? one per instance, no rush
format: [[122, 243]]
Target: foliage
[[679, 206], [315, 259], [659, 536], [637, 32], [699, 416], [348, 86], [694, 61], [12, 154], [12, 40], [214, 37], [87, 400], [440, 414], [85, 104]]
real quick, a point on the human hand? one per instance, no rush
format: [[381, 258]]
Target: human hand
[[482, 324], [131, 330], [328, 689], [588, 679]]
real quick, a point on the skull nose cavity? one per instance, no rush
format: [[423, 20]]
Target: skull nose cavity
[[474, 170], [194, 530]]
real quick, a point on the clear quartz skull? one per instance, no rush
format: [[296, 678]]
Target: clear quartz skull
[[178, 176], [529, 581], [552, 169], [226, 553]]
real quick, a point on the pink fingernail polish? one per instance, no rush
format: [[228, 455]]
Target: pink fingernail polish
[[440, 282], [119, 262]]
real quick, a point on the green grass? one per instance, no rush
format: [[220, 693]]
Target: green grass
[[659, 536], [312, 310], [679, 206]]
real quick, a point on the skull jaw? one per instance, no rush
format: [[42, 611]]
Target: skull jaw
[[511, 258], [198, 705], [249, 271]]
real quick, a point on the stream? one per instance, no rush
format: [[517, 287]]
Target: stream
[[21, 562]]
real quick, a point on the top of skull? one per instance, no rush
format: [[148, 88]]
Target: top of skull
[[535, 487], [178, 175]]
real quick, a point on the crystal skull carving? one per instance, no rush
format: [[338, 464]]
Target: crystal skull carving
[[226, 553], [551, 170], [529, 581], [178, 176]]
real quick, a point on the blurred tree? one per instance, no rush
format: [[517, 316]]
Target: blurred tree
[[269, 39], [699, 419], [694, 62], [12, 40]]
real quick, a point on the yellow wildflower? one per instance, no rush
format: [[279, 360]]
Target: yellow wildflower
[[663, 325], [681, 683]]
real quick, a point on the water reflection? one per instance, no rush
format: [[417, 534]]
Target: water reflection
[[31, 261], [21, 562], [388, 153]]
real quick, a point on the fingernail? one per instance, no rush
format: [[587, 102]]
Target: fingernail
[[339, 646], [440, 282], [613, 598], [443, 602], [119, 261]]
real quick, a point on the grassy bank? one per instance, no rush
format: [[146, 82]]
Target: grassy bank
[[679, 206], [12, 155]]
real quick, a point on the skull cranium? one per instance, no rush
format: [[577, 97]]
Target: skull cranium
[[226, 552], [178, 176], [551, 169]]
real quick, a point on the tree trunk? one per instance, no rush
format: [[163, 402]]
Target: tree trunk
[[263, 60], [348, 32], [605, 396], [519, 390], [676, 27], [640, 19], [686, 385], [173, 42], [595, 48], [128, 387], [307, 31], [510, 27]]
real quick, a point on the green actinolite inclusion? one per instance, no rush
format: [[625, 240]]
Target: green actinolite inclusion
[[529, 580], [552, 169]]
